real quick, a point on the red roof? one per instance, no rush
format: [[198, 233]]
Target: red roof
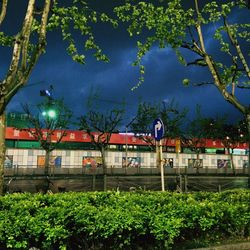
[[116, 138]]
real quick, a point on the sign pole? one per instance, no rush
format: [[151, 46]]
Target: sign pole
[[158, 132], [161, 165]]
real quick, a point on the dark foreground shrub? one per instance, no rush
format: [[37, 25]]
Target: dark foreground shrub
[[114, 220]]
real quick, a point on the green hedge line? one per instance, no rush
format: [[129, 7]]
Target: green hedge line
[[117, 220]]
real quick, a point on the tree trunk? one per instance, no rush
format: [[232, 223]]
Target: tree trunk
[[46, 166], [197, 155], [197, 162], [2, 152], [248, 136], [104, 169], [46, 171], [231, 159]]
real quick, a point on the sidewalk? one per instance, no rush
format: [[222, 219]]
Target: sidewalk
[[238, 246]]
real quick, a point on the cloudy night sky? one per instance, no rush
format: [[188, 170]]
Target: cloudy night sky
[[112, 82]]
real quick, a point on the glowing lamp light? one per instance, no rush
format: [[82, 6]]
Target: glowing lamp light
[[50, 113], [45, 92]]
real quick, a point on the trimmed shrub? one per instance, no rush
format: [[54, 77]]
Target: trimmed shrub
[[119, 220]]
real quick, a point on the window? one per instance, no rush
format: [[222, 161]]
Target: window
[[221, 163], [24, 116], [54, 161], [168, 162], [8, 162], [91, 162], [131, 161], [40, 161], [30, 152], [245, 163], [195, 163]]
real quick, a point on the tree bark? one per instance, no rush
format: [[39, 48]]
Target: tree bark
[[248, 136], [218, 82], [197, 162], [3, 10], [232, 160], [46, 167], [2, 152], [104, 169], [46, 171]]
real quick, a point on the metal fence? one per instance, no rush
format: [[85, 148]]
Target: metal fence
[[78, 170]]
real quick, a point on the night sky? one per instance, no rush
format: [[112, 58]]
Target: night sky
[[112, 82]]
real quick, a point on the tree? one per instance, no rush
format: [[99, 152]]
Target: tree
[[99, 126], [169, 113], [229, 134], [198, 130], [141, 125], [148, 112], [194, 136], [181, 26], [27, 46], [48, 126]]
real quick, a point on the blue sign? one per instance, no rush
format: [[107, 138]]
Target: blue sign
[[158, 129]]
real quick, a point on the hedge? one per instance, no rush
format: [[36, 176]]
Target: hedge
[[120, 220]]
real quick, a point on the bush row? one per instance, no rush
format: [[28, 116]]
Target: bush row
[[117, 220]]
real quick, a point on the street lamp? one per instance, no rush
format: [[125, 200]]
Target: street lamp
[[51, 113], [48, 112], [47, 92]]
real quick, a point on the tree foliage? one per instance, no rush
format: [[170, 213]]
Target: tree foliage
[[71, 18], [181, 26], [170, 114], [196, 131], [48, 126], [42, 126], [100, 126], [184, 26], [123, 220]]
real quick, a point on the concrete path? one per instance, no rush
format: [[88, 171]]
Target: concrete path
[[238, 246]]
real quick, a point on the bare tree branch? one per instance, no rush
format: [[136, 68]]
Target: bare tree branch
[[3, 10], [19, 79], [243, 86], [235, 43], [198, 62], [213, 69], [202, 83]]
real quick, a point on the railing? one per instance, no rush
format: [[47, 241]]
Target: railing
[[77, 170]]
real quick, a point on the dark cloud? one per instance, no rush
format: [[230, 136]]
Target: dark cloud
[[113, 81]]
